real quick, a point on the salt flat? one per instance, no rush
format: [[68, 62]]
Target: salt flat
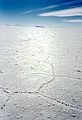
[[40, 73]]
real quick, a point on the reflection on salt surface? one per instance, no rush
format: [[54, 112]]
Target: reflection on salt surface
[[42, 44], [33, 50]]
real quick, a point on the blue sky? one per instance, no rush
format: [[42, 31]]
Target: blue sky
[[41, 12]]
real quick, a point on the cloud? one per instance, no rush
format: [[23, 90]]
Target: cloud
[[27, 12], [49, 7], [73, 21], [64, 13], [39, 9]]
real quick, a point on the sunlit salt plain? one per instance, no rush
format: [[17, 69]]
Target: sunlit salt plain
[[40, 73]]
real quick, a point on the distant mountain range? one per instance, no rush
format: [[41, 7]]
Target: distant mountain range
[[39, 26]]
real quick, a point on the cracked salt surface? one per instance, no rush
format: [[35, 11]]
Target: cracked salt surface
[[40, 73]]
